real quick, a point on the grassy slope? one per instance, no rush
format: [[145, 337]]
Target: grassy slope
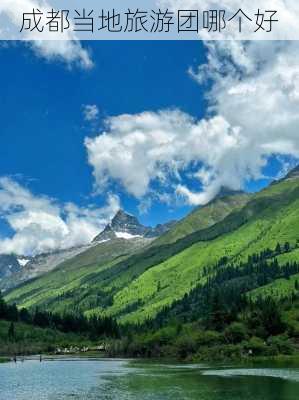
[[90, 279], [203, 217], [280, 288], [140, 285], [277, 220], [72, 274]]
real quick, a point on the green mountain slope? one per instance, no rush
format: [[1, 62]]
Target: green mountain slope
[[91, 279], [204, 217], [59, 286], [271, 216], [136, 287], [279, 289], [225, 317]]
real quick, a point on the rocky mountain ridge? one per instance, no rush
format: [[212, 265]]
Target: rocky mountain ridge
[[127, 226], [15, 269]]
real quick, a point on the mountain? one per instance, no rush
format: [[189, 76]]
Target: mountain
[[203, 217], [89, 274], [293, 174], [82, 270], [16, 270], [26, 268], [9, 265], [126, 226], [161, 229], [123, 226], [137, 283]]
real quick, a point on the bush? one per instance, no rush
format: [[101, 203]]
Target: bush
[[255, 346], [281, 344], [235, 333], [220, 353], [185, 345], [208, 338]]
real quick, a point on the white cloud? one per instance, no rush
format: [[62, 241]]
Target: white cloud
[[41, 224], [259, 94], [68, 50], [139, 149], [253, 114], [90, 112], [286, 28]]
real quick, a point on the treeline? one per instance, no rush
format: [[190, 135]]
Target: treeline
[[221, 319], [225, 289], [93, 327], [255, 257]]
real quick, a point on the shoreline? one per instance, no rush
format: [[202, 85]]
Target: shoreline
[[283, 359]]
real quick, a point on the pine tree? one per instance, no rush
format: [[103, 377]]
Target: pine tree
[[3, 307], [11, 332], [278, 249], [287, 247]]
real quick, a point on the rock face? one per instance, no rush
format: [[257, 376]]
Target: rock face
[[290, 176], [9, 265], [126, 226], [293, 174], [125, 223], [160, 229], [225, 192], [17, 269]]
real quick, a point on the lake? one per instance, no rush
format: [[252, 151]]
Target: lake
[[80, 378]]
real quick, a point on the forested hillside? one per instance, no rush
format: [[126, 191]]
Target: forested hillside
[[245, 246]]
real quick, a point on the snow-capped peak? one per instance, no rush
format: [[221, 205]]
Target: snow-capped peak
[[23, 261], [126, 226], [126, 235]]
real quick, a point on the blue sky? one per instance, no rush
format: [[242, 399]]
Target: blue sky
[[175, 122], [42, 123]]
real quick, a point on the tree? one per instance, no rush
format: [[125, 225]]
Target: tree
[[11, 332], [158, 286], [25, 316], [12, 313], [3, 307], [287, 247], [270, 316]]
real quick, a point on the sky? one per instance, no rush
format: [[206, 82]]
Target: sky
[[46, 114], [42, 106], [155, 128]]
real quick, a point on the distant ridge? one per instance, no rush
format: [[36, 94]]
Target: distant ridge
[[292, 174], [127, 226], [225, 191]]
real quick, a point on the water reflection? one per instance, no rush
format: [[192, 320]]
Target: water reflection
[[93, 379]]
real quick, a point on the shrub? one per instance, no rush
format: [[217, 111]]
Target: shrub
[[235, 333], [255, 346], [208, 338], [281, 344]]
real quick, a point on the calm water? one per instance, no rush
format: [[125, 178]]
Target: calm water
[[91, 379]]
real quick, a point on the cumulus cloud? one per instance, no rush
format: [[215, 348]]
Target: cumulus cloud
[[40, 224], [69, 50], [286, 28], [253, 114], [90, 112], [137, 150]]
